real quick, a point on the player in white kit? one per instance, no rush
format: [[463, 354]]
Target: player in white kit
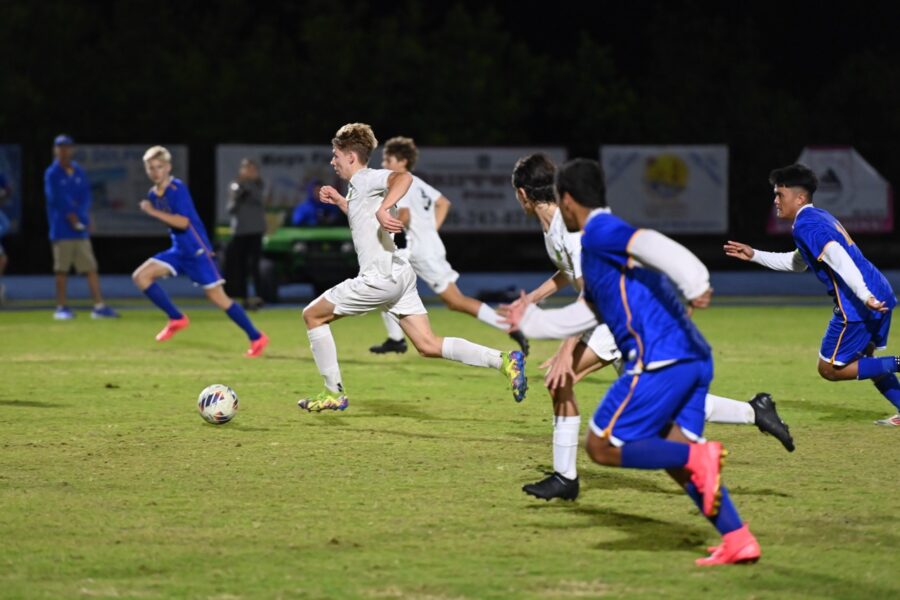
[[422, 211], [588, 345], [385, 281]]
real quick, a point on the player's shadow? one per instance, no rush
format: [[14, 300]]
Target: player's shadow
[[834, 412], [29, 404], [643, 532]]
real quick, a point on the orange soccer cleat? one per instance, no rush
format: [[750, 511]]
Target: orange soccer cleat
[[257, 346], [172, 327], [705, 464], [737, 547]]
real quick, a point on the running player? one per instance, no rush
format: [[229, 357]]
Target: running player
[[863, 298], [652, 416], [386, 281], [588, 345], [191, 253], [422, 211]]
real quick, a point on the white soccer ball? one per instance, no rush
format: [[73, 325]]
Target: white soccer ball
[[217, 404]]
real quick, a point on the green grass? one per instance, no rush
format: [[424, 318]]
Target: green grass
[[111, 486]]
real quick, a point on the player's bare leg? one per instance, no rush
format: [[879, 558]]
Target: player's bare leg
[[459, 302], [317, 317]]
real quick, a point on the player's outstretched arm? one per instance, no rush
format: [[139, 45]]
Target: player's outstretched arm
[[738, 250], [329, 195], [777, 261], [172, 220]]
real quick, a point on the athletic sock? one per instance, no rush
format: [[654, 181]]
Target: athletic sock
[[488, 315], [159, 297], [471, 354], [871, 367], [726, 410], [655, 453], [890, 389], [237, 314], [565, 445], [325, 356], [392, 324], [727, 519]]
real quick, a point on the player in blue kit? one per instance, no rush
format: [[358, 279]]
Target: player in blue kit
[[863, 298], [191, 253], [652, 417]]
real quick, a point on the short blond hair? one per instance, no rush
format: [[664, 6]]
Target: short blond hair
[[358, 138], [158, 152]]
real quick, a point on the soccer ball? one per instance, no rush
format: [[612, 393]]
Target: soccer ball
[[217, 404]]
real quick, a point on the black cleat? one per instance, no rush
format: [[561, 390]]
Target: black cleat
[[521, 340], [554, 486], [768, 421], [389, 345]]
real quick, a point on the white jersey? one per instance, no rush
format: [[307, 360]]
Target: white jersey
[[563, 247], [374, 246], [421, 233]]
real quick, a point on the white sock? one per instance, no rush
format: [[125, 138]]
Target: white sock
[[726, 410], [565, 445], [325, 354], [392, 324], [488, 315], [471, 354]]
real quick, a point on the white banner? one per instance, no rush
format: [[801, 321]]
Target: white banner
[[849, 188], [675, 189], [119, 183], [286, 170]]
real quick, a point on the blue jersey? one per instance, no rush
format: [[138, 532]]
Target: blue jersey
[[177, 200], [814, 229], [67, 194], [640, 306]]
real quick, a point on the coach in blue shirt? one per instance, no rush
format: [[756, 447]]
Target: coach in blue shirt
[[68, 195]]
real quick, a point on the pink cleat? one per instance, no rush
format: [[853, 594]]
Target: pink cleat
[[172, 327], [257, 346], [705, 464], [738, 546]]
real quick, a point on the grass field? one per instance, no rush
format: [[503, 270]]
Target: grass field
[[111, 486]]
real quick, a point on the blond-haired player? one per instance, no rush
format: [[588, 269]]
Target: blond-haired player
[[386, 281]]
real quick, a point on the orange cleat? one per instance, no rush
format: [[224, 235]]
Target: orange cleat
[[737, 547], [705, 463], [257, 346], [172, 327]]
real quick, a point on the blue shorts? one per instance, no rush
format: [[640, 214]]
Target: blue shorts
[[641, 406], [201, 269], [844, 343]]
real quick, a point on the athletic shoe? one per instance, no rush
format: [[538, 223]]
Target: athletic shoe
[[389, 345], [768, 421], [257, 346], [890, 421], [513, 367], [172, 327], [104, 312], [705, 463], [738, 546], [521, 340], [555, 486], [64, 313], [324, 400]]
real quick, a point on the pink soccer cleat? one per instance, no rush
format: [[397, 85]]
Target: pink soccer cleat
[[738, 546], [705, 464], [257, 346], [172, 327]]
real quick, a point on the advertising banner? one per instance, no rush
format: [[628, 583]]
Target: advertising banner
[[674, 189], [10, 188]]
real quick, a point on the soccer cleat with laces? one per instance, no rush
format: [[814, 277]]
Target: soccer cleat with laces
[[389, 345], [257, 346], [737, 547], [172, 327], [513, 367], [519, 338], [324, 400], [554, 486], [893, 421], [768, 421], [705, 462]]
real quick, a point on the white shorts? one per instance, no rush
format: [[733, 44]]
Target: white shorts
[[601, 341], [365, 293], [434, 270]]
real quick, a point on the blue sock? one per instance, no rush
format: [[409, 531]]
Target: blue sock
[[727, 519], [654, 453], [889, 388], [871, 367], [238, 315], [159, 297]]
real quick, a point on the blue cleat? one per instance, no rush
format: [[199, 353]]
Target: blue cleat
[[104, 312], [513, 367], [64, 313]]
